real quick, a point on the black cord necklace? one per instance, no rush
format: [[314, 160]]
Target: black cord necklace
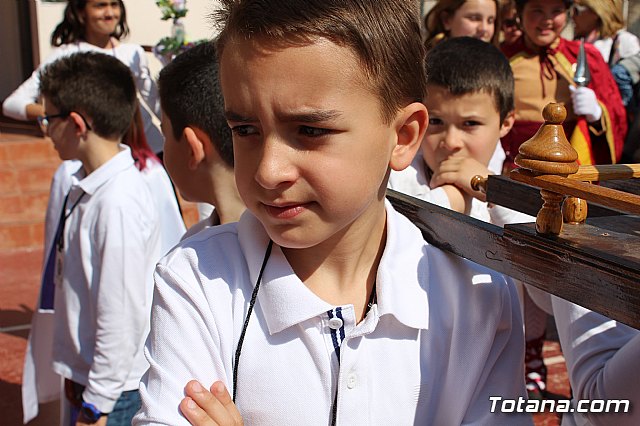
[[373, 298], [254, 295]]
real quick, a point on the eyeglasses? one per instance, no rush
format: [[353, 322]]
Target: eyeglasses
[[45, 120], [510, 23]]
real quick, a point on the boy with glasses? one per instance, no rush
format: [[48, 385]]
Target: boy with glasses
[[98, 279]]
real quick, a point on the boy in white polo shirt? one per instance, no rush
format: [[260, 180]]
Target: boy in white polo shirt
[[106, 244], [323, 305]]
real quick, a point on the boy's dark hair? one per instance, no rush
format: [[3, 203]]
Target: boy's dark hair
[[190, 95], [465, 65], [383, 34], [98, 86], [72, 28]]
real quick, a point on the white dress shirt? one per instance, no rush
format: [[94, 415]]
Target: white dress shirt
[[111, 243], [40, 384], [444, 335]]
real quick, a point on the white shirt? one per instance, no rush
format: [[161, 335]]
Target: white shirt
[[444, 335], [602, 361], [132, 55], [414, 181], [39, 382], [628, 45], [171, 224], [205, 223], [102, 306]]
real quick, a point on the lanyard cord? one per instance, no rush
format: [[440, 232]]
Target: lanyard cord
[[254, 295], [63, 219]]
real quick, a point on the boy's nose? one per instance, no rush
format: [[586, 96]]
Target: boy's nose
[[451, 140], [275, 166]]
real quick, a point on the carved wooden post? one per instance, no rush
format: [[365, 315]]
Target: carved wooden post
[[548, 152]]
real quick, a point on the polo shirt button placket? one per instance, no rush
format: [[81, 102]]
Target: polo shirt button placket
[[335, 323]]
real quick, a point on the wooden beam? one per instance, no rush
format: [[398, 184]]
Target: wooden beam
[[596, 266], [606, 172], [619, 200], [504, 191]]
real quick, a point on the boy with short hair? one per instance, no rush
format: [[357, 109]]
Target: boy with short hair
[[198, 149], [106, 243], [323, 304], [470, 103]]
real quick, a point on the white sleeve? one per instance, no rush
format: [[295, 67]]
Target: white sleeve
[[126, 244], [504, 372], [144, 81], [602, 359], [15, 106], [184, 344]]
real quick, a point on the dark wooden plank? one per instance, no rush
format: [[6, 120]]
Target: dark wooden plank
[[577, 266], [504, 191]]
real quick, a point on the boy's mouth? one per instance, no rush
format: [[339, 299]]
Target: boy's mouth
[[285, 211]]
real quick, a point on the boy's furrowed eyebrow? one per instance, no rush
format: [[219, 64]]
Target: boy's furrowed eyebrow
[[303, 117], [317, 116], [233, 116]]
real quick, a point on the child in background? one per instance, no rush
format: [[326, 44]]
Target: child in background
[[323, 302], [509, 23], [543, 66], [92, 26], [198, 149], [39, 382], [106, 244], [459, 18], [469, 111]]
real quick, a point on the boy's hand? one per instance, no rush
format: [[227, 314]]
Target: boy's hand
[[215, 407], [458, 171]]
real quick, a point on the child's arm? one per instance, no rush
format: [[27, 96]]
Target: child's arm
[[184, 344], [123, 247], [201, 406], [458, 171], [602, 357]]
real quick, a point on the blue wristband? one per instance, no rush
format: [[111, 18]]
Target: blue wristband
[[90, 412]]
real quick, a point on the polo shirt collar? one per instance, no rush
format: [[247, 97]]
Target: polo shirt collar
[[286, 301], [118, 163]]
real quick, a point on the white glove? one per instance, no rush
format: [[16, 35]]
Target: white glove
[[585, 103]]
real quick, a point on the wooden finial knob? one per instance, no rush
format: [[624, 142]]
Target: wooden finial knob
[[554, 113], [549, 151]]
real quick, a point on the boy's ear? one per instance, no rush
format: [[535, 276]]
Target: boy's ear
[[411, 125], [507, 124], [198, 144], [78, 121]]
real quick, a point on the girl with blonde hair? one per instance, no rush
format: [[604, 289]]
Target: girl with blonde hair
[[458, 18]]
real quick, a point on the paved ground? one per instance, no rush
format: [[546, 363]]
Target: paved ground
[[27, 163]]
